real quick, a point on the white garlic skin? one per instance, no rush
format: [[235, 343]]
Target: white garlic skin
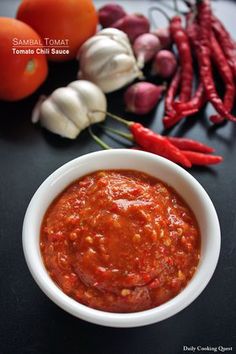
[[107, 60], [93, 98], [69, 110]]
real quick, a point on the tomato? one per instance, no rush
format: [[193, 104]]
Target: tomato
[[20, 74], [73, 21]]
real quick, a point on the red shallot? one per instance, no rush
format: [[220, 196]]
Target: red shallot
[[142, 97], [133, 25], [110, 13], [163, 34], [164, 64], [145, 47]]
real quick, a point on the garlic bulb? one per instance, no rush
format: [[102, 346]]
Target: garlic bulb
[[107, 60], [68, 110]]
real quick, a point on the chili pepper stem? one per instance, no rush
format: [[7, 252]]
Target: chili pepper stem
[[155, 8], [193, 8], [101, 143], [118, 132], [114, 116], [187, 3], [176, 8]]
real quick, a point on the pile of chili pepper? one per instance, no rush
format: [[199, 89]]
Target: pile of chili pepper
[[205, 38], [183, 151]]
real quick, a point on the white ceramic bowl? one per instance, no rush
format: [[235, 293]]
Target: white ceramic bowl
[[190, 190]]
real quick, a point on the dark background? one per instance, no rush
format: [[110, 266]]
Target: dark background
[[29, 322]]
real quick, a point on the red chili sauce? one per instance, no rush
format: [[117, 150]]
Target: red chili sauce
[[120, 241]]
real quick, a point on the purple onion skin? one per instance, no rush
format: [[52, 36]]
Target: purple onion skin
[[133, 25], [164, 37], [110, 13], [142, 97], [145, 47], [164, 64]]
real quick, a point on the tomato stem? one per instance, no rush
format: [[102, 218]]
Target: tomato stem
[[30, 67]]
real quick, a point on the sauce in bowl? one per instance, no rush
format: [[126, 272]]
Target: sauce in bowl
[[120, 241]]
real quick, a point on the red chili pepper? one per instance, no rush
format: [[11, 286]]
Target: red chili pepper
[[200, 159], [163, 146], [217, 119], [192, 106], [180, 143], [185, 57], [227, 43], [199, 99], [192, 29], [170, 95], [224, 69], [185, 109], [190, 145], [204, 59], [157, 144]]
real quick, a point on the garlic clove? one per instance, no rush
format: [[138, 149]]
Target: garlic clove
[[70, 104], [35, 117], [112, 33], [88, 44], [99, 56], [108, 49], [93, 99], [55, 121], [123, 69], [68, 110], [117, 36], [108, 56], [118, 64], [106, 83]]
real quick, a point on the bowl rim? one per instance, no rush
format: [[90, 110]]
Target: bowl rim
[[134, 319]]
